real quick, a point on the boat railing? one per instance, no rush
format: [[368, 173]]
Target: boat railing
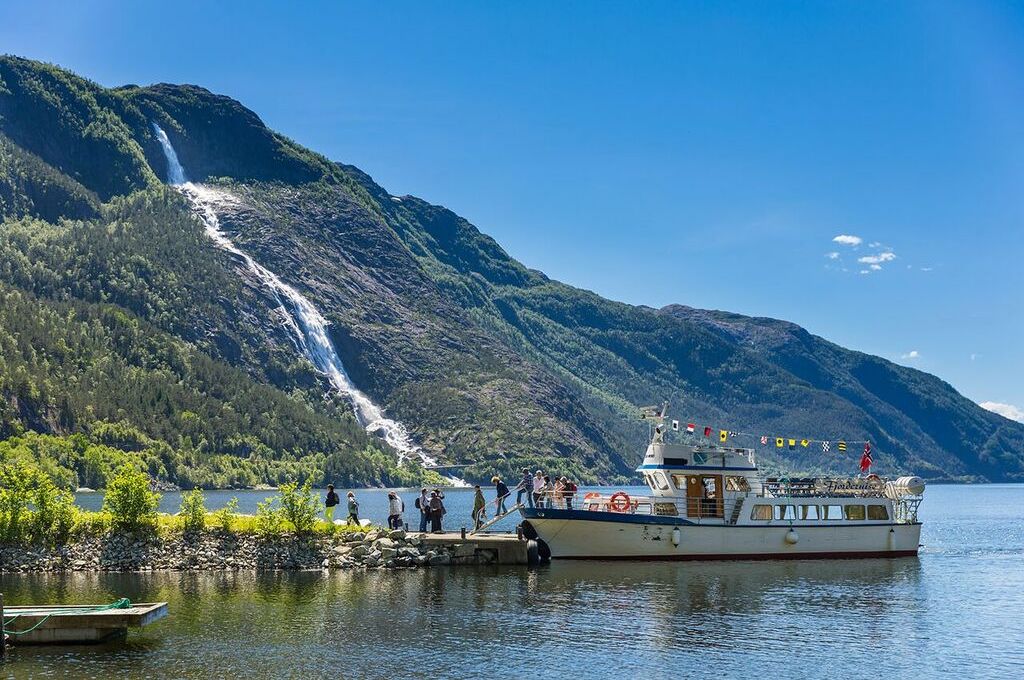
[[692, 508]]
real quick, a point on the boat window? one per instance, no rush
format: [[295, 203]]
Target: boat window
[[854, 512], [699, 458], [878, 512], [662, 481], [808, 512], [832, 512], [736, 484], [679, 481], [785, 512], [762, 512], [650, 480]]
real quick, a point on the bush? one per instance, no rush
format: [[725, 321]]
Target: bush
[[269, 517], [129, 501], [226, 517], [32, 507], [299, 506], [193, 511]]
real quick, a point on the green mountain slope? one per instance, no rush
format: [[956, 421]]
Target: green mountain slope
[[486, 361]]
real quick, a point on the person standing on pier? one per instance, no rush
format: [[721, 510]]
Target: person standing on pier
[[437, 511], [395, 509], [501, 489], [525, 486], [330, 503], [479, 507], [423, 505], [353, 509]]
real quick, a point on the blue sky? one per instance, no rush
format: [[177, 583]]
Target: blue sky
[[700, 153]]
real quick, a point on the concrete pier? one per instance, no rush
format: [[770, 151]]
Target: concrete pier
[[50, 624], [481, 548]]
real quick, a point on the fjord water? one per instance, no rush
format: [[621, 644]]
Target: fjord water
[[306, 325], [953, 612]]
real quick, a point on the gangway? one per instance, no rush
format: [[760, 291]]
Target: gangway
[[497, 518]]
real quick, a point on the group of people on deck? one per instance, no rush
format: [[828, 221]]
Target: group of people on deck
[[538, 488], [542, 492]]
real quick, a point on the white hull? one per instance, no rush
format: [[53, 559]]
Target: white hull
[[576, 538]]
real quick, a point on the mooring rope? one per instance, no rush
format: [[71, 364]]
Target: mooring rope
[[123, 603]]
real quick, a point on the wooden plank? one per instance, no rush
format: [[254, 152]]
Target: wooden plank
[[66, 617]]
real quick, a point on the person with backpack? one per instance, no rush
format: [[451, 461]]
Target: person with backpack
[[353, 509], [437, 512], [423, 505], [569, 492], [330, 503], [395, 509], [501, 491], [479, 507]]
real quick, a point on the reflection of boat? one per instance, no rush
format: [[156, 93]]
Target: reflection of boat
[[711, 502]]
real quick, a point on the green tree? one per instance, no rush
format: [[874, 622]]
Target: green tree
[[132, 506]]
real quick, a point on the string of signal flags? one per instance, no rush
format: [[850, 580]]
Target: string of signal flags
[[840, 445]]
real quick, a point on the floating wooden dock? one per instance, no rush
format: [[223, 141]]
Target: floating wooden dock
[[73, 624]]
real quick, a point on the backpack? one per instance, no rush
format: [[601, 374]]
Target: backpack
[[417, 505]]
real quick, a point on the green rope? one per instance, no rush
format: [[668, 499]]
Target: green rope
[[123, 603]]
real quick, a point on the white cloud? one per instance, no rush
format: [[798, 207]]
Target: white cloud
[[1006, 410], [911, 355], [874, 244], [848, 240], [865, 271], [926, 269], [832, 255], [887, 256], [876, 267]]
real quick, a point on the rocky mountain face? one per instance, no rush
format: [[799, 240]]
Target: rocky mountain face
[[487, 362]]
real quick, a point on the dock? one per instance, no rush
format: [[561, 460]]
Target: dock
[[480, 547], [74, 624]]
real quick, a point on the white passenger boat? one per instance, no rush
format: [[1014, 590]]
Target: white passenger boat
[[710, 502]]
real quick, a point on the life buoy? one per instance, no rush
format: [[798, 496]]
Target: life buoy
[[619, 502]]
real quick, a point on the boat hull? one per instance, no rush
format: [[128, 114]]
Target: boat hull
[[577, 534]]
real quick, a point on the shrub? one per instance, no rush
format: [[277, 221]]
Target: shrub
[[226, 517], [269, 518], [32, 507], [299, 506], [193, 511], [129, 501]]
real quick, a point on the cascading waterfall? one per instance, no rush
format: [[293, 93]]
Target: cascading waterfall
[[307, 326]]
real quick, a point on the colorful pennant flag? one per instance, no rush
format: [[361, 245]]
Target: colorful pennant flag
[[764, 441], [778, 442], [675, 426], [842, 446], [805, 443], [792, 444], [707, 431], [723, 435], [690, 427], [825, 446]]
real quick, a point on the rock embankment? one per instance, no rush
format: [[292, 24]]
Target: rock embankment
[[216, 550]]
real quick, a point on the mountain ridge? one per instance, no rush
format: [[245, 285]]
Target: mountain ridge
[[488, 362]]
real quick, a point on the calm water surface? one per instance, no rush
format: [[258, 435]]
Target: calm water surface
[[957, 611]]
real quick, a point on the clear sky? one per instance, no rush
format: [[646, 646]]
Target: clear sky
[[701, 153]]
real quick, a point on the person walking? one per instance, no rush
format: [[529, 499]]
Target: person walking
[[395, 509], [525, 487], [330, 503], [538, 490], [437, 512], [501, 492], [479, 507], [353, 509], [423, 505]]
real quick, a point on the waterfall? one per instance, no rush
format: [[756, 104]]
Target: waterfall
[[305, 323]]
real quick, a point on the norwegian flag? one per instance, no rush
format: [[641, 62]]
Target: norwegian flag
[[825, 446], [764, 441], [865, 459], [690, 427]]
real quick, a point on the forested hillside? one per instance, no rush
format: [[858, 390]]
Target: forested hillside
[[125, 332]]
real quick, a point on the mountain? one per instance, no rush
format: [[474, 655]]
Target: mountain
[[124, 315]]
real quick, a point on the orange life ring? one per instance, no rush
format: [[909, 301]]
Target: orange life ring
[[619, 502]]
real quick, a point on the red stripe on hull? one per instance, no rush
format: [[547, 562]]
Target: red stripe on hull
[[757, 556]]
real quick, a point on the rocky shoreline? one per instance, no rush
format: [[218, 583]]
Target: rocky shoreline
[[213, 550]]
